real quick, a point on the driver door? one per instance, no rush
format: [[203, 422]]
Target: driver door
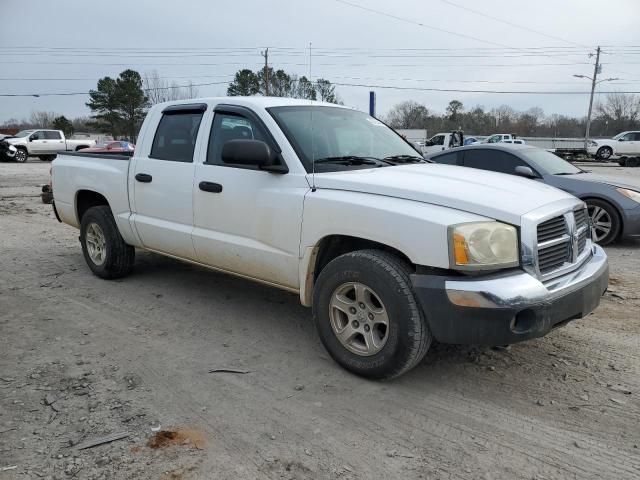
[[247, 221], [38, 144]]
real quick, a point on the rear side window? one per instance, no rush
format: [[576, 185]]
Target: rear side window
[[447, 158], [494, 160], [49, 135], [175, 138]]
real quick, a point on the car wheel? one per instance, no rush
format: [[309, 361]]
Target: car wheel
[[604, 153], [21, 155], [605, 221], [367, 316], [633, 162], [104, 249], [622, 162], [47, 158]]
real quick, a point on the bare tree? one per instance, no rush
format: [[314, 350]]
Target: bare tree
[[408, 114], [159, 90], [621, 110], [42, 119]]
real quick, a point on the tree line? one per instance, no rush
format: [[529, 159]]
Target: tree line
[[118, 106], [618, 112]]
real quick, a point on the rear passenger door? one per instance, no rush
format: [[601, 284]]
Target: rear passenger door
[[493, 160], [163, 172], [55, 143]]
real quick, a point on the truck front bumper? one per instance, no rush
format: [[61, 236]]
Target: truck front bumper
[[510, 307]]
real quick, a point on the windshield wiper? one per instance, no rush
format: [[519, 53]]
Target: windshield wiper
[[349, 160], [404, 159]]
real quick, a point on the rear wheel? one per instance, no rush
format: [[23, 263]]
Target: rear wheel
[[47, 158], [605, 221], [21, 155], [104, 249], [604, 153], [367, 316], [633, 162]]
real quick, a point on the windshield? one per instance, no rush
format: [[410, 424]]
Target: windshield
[[550, 163], [338, 132], [24, 133]]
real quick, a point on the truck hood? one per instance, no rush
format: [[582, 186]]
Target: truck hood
[[495, 195]]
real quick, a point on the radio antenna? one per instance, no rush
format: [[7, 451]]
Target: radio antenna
[[313, 160]]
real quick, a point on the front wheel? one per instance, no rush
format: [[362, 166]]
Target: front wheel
[[604, 153], [104, 249], [21, 155], [367, 316], [605, 221]]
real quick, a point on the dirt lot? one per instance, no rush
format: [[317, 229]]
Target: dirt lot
[[81, 358]]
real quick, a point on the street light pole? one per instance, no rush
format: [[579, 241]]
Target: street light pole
[[593, 89]]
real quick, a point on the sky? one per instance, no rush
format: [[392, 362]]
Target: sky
[[360, 45]]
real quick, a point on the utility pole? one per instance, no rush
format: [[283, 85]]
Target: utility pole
[[596, 70], [265, 54]]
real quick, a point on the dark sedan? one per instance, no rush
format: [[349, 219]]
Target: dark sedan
[[613, 203]]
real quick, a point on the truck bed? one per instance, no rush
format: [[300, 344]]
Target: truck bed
[[108, 175]]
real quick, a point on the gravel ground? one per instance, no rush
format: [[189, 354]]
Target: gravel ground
[[82, 358]]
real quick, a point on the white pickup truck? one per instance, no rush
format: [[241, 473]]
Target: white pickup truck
[[442, 141], [327, 202], [44, 144]]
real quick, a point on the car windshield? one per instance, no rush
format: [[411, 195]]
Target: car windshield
[[340, 137], [24, 133], [550, 163]]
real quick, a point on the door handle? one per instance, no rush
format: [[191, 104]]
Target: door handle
[[210, 187], [144, 177]]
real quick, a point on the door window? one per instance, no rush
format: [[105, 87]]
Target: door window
[[51, 135], [493, 160], [447, 158], [37, 136], [227, 126], [175, 138], [438, 140]]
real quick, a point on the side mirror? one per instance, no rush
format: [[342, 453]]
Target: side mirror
[[621, 139], [31, 139], [526, 172], [253, 153]]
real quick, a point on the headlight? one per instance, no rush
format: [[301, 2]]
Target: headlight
[[632, 194], [483, 246]]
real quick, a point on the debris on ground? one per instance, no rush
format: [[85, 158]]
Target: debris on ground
[[102, 440]]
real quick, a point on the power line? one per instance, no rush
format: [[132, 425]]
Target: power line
[[448, 2], [65, 94], [394, 87], [413, 22]]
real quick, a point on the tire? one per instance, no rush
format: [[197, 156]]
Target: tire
[[385, 282], [47, 158], [604, 153], [595, 207], [623, 162], [99, 234], [21, 155], [633, 162]]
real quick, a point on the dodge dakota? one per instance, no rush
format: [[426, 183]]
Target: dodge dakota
[[391, 252]]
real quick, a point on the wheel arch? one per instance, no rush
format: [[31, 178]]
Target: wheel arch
[[330, 247], [85, 199]]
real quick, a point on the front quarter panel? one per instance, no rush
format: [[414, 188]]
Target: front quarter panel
[[418, 230]]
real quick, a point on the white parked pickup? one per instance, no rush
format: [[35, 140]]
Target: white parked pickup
[[391, 252], [625, 143], [45, 144]]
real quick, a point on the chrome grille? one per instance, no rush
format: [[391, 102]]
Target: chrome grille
[[553, 244], [561, 241], [551, 229], [582, 220]]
